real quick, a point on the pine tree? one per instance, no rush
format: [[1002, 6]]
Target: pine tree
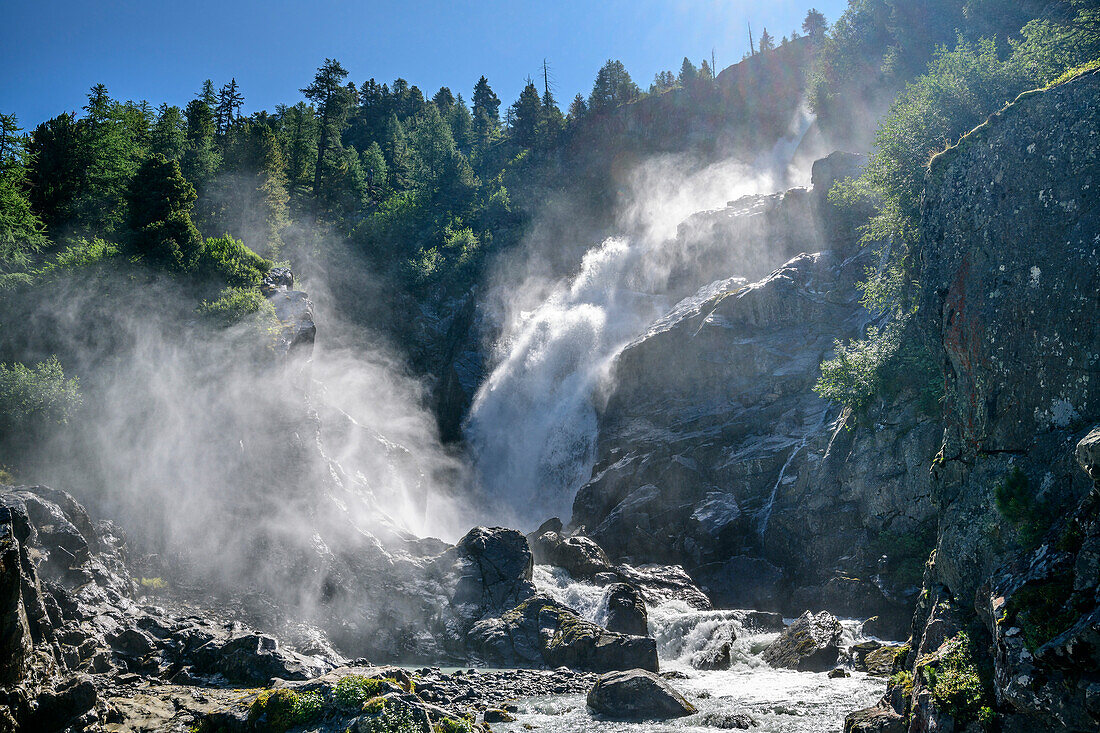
[[374, 168], [815, 24], [578, 108], [526, 115], [396, 148], [486, 113], [201, 160], [551, 122], [333, 102], [444, 99], [662, 82], [169, 136], [613, 87], [705, 72], [160, 214], [230, 100], [21, 231], [767, 43], [109, 157], [688, 73], [56, 170]]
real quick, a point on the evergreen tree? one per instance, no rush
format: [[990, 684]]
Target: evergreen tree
[[169, 136], [613, 87], [578, 108], [396, 148], [201, 160], [526, 116], [333, 102], [767, 43], [230, 100], [551, 122], [373, 162], [56, 171], [486, 113], [688, 73], [705, 72], [298, 129], [160, 214], [815, 24], [109, 157], [444, 99], [21, 231], [462, 125], [662, 82]]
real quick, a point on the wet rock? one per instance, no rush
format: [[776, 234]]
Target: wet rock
[[579, 556], [1088, 454], [494, 567], [875, 658], [838, 673], [259, 658], [718, 656], [294, 310], [725, 720], [662, 583], [626, 613], [58, 707], [494, 715], [277, 279], [637, 695], [810, 644], [879, 719], [541, 632]]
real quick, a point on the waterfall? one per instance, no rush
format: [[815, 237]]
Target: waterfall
[[532, 425], [766, 511]]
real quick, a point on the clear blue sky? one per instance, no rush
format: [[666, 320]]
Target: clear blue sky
[[52, 51]]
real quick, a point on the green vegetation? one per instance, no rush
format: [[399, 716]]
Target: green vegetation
[[390, 719], [1018, 502], [354, 690], [1043, 609], [451, 725], [235, 304], [153, 584], [906, 552], [948, 84], [956, 682], [229, 260], [283, 709], [903, 679], [33, 399]]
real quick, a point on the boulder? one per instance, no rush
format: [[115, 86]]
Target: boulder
[[581, 557], [259, 658], [542, 632], [1088, 454], [810, 644], [878, 719], [494, 567], [626, 613], [637, 695], [874, 657]]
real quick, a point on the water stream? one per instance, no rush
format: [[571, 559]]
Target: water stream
[[777, 700]]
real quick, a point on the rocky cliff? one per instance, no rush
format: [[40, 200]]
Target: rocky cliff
[[1008, 624], [714, 452]]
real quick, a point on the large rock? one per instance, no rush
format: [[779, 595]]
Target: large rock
[[810, 644], [578, 555], [879, 719], [626, 613], [637, 695], [543, 633], [1088, 454]]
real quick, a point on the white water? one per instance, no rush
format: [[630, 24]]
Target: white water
[[532, 425], [777, 700]]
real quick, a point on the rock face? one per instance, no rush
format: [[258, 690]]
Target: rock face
[[1010, 269], [637, 695], [541, 631], [626, 612], [579, 556], [715, 454], [810, 644]]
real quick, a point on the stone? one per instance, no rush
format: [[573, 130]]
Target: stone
[[579, 556], [810, 644], [626, 612], [637, 695], [495, 715], [879, 719], [726, 720], [259, 658], [542, 632], [1088, 454], [838, 673]]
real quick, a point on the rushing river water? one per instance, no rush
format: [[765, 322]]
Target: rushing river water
[[775, 699]]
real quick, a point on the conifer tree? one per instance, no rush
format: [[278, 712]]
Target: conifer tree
[[688, 73], [578, 108], [526, 114], [160, 214], [815, 24], [486, 112], [332, 101], [169, 136], [767, 43], [613, 87], [21, 231]]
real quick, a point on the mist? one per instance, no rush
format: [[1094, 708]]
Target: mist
[[532, 426]]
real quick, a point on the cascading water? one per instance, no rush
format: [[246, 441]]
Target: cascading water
[[532, 425], [774, 699]]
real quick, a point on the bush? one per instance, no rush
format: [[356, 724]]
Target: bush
[[1022, 507], [33, 399], [390, 719], [231, 261], [955, 681], [354, 690], [283, 709], [82, 253], [235, 304]]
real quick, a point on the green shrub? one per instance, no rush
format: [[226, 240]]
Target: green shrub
[[33, 399], [956, 682], [1043, 610], [354, 690], [235, 304], [1022, 507], [230, 260], [390, 719], [82, 253], [451, 725], [903, 679], [280, 710]]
